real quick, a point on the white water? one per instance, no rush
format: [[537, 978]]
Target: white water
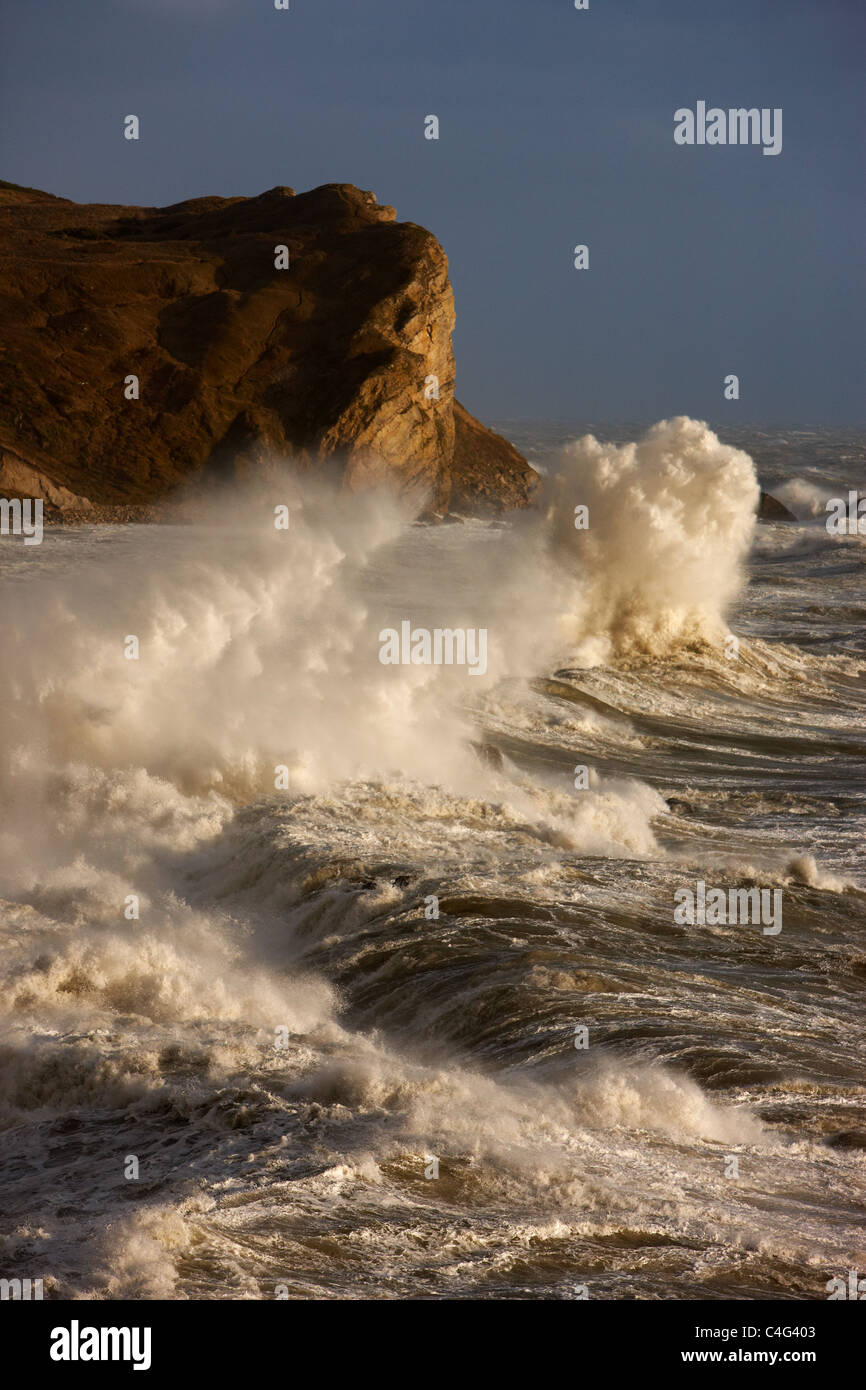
[[304, 909]]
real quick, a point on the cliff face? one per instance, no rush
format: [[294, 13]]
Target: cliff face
[[339, 356]]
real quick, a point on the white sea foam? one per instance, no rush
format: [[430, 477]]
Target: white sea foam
[[671, 520], [155, 778]]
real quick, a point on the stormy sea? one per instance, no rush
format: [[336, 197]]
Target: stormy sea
[[326, 977]]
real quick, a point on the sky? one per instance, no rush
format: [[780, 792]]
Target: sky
[[556, 129]]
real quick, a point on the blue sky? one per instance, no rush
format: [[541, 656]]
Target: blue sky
[[556, 129]]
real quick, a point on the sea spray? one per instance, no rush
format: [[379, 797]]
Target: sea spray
[[325, 1088], [671, 521]]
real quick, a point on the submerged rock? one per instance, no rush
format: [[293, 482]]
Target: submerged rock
[[771, 509], [488, 754]]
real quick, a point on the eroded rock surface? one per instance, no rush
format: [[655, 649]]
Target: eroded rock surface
[[336, 358]]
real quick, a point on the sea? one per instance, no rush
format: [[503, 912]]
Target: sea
[[331, 978]]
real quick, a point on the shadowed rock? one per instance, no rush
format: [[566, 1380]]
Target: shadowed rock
[[771, 509]]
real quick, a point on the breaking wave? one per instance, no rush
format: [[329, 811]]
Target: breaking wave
[[238, 834]]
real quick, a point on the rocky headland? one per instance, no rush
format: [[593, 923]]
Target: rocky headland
[[148, 349]]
